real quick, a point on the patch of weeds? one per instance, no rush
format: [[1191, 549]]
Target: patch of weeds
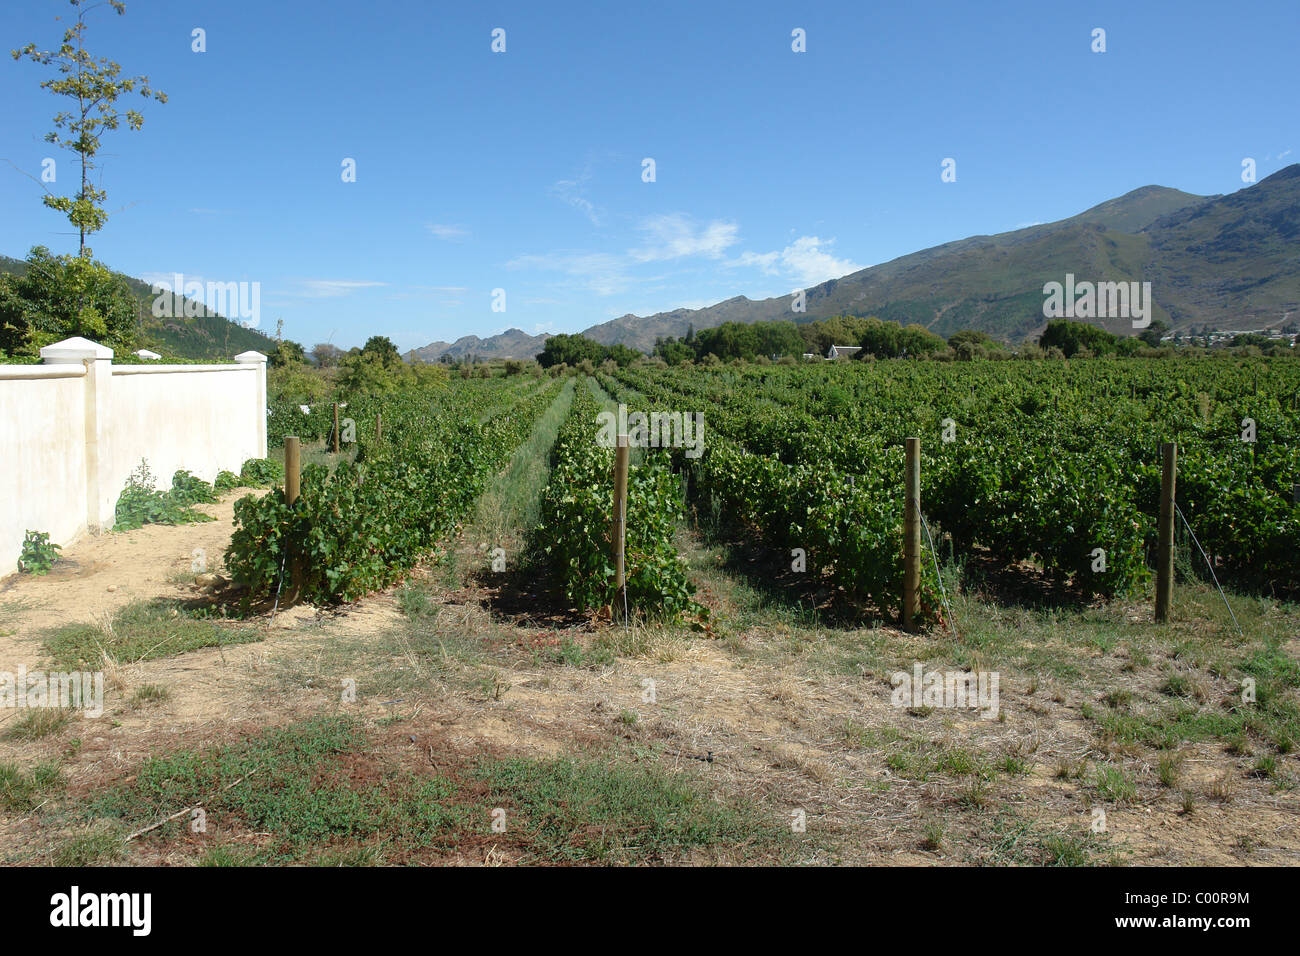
[[608, 811], [1067, 769], [932, 836], [974, 795], [1114, 785], [95, 845], [1119, 699], [39, 722], [20, 789], [1014, 766], [306, 784], [227, 856], [1069, 849], [1265, 766], [1168, 769], [149, 694], [141, 502], [141, 631]]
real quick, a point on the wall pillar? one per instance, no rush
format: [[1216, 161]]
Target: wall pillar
[[257, 358], [98, 359]]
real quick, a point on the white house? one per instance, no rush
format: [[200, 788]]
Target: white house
[[147, 355], [843, 351]]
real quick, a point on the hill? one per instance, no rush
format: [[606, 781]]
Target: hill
[[206, 335], [1232, 262], [510, 344]]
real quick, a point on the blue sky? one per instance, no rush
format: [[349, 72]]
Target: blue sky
[[522, 170]]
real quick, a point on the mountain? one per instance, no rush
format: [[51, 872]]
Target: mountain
[[510, 344], [204, 336], [1231, 261]]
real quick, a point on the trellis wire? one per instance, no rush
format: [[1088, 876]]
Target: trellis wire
[[952, 623], [1214, 576]]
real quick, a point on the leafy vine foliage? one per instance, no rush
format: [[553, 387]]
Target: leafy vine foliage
[[573, 533], [364, 524]]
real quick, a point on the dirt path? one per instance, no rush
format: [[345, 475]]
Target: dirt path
[[98, 574]]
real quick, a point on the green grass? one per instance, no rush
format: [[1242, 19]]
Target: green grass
[[141, 631], [95, 845], [593, 810], [1115, 786], [39, 722], [318, 788], [511, 503], [290, 783], [22, 790]]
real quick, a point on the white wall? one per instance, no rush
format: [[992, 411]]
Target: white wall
[[42, 458], [74, 428]]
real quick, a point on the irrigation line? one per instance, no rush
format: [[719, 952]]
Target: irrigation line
[[952, 625], [1211, 567]]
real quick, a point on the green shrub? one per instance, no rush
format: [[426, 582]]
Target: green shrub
[[38, 554], [260, 472], [141, 503]]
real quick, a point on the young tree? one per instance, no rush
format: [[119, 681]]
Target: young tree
[[94, 84]]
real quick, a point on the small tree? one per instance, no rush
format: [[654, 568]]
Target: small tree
[[95, 84]]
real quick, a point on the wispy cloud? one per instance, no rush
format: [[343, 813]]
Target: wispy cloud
[[806, 260], [332, 288], [676, 235], [573, 192], [446, 230]]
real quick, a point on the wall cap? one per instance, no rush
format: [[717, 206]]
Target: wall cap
[[250, 357], [75, 349]]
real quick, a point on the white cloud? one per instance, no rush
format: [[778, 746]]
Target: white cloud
[[446, 231], [676, 235], [805, 260], [332, 288], [571, 191]]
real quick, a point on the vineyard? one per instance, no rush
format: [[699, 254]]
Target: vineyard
[[1056, 465]]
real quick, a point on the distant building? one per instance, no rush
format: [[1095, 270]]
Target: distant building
[[147, 355], [843, 351]]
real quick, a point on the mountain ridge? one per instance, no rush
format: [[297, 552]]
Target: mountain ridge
[[994, 282]]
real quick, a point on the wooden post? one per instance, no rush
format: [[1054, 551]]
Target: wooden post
[[336, 428], [1165, 555], [292, 468], [618, 537], [912, 535]]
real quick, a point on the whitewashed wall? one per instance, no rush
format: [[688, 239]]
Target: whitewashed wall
[[74, 428]]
